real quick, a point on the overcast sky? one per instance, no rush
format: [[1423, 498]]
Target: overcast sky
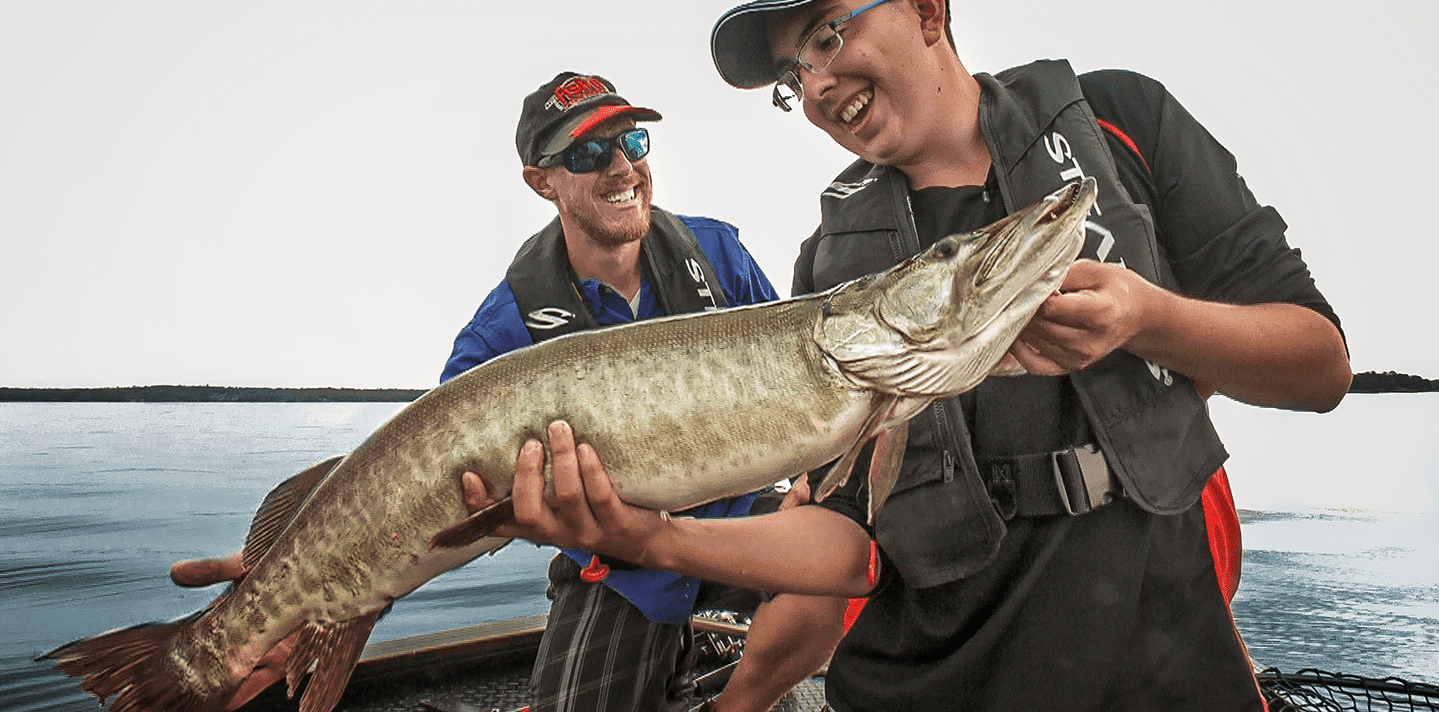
[[320, 193]]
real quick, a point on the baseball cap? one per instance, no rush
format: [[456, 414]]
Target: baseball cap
[[564, 108], [739, 43]]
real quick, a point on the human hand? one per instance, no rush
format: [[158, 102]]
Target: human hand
[[476, 493], [1098, 309], [798, 494], [584, 511], [197, 573], [270, 670]]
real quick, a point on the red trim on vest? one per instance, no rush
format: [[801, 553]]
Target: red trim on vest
[[851, 612], [871, 574], [1222, 521], [1123, 137]]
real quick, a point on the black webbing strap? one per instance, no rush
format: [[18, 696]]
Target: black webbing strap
[[1070, 481]]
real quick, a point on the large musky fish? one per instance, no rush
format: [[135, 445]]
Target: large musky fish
[[685, 410]]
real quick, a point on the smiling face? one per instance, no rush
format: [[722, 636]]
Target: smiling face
[[884, 96], [609, 207]]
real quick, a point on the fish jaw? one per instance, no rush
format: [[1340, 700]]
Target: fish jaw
[[938, 324]]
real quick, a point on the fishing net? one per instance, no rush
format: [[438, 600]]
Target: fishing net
[[1320, 691]]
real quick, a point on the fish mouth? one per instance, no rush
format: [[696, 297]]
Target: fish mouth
[[1058, 207], [1067, 198]]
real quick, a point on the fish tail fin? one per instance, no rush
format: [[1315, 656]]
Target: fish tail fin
[[134, 664]]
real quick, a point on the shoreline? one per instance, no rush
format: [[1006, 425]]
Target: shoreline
[[208, 394], [1366, 382]]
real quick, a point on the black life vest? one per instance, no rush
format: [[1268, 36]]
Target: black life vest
[[547, 294], [939, 523]]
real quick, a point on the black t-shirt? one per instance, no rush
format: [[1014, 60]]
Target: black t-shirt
[[1006, 416], [1118, 609]]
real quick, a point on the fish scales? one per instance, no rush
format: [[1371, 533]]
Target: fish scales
[[659, 429], [404, 487], [684, 410]]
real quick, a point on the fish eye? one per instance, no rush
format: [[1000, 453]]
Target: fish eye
[[946, 247]]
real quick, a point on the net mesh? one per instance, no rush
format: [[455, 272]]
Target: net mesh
[[1321, 691]]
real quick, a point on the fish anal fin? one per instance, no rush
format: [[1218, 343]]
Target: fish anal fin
[[334, 648], [884, 464], [838, 474], [1005, 369], [475, 527], [279, 508], [879, 409]]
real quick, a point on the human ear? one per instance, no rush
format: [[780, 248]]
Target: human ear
[[538, 179], [931, 20]]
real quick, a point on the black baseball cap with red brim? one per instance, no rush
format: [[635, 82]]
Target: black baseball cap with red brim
[[564, 109]]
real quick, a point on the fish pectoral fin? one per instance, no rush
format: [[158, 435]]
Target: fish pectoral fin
[[917, 373], [475, 527], [884, 464], [1004, 370], [881, 404], [279, 508], [333, 649]]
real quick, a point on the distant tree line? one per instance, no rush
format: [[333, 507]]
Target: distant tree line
[[209, 394], [1367, 382]]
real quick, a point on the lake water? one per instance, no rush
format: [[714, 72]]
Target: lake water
[[97, 499]]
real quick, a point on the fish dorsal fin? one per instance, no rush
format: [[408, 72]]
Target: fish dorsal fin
[[884, 464], [475, 527], [333, 649], [279, 508], [879, 408]]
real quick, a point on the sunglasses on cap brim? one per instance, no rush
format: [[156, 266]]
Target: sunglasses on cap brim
[[594, 154]]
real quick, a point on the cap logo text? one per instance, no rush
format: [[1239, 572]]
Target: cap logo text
[[576, 90]]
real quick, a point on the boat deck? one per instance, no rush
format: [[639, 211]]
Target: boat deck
[[486, 668]]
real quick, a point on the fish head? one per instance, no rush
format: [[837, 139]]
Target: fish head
[[938, 323]]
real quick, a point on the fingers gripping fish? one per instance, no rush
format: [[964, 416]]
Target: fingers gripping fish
[[740, 397]]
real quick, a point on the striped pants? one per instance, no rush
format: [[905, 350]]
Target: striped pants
[[600, 654]]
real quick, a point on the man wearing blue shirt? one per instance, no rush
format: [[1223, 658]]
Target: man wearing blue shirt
[[617, 634]]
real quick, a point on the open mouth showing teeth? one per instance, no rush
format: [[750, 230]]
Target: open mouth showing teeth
[[848, 113], [624, 197]]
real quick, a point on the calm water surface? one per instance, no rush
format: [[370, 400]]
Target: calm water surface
[[96, 501]]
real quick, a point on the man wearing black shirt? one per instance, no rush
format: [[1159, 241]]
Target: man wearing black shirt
[[1000, 586]]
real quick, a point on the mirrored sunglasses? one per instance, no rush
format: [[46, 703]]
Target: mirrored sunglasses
[[594, 154]]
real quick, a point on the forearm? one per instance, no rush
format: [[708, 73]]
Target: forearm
[[1279, 355], [805, 550], [809, 550]]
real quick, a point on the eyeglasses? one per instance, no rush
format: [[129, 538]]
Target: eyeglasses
[[815, 54], [594, 154]]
